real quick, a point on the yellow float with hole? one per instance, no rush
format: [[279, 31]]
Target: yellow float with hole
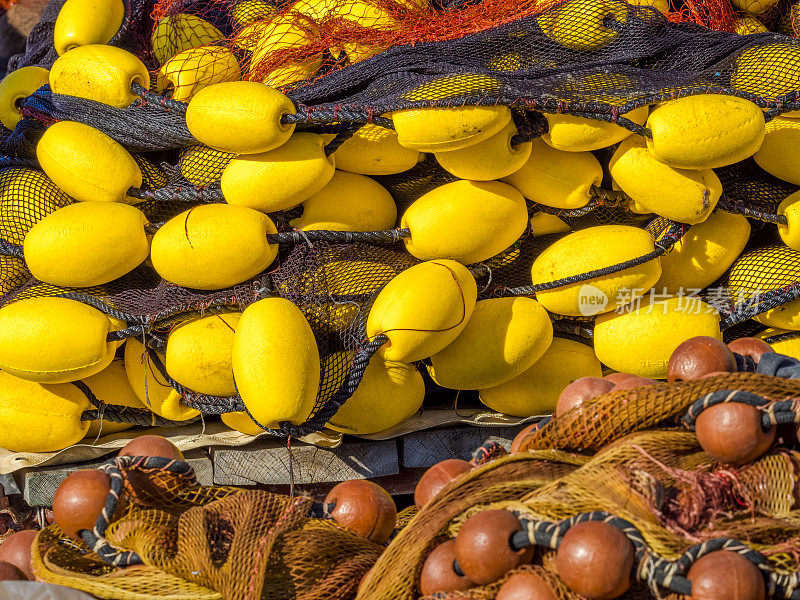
[[100, 73], [348, 202], [374, 150], [493, 158], [682, 195], [86, 22], [281, 178], [389, 393], [465, 221], [242, 117], [15, 86], [535, 391], [704, 253], [790, 232], [503, 338], [572, 133], [87, 164], [706, 131], [641, 338], [557, 178], [448, 128], [199, 351], [40, 418], [779, 155]]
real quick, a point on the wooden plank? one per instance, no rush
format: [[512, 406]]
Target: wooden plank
[[402, 483], [39, 485], [426, 448], [271, 462]]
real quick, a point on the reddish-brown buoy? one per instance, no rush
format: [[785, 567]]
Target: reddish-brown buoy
[[724, 575], [697, 356], [617, 378], [438, 476], [79, 500], [16, 550], [634, 381], [595, 559], [732, 433], [525, 586], [520, 437], [151, 445], [363, 507], [439, 573], [581, 390], [483, 546], [9, 572], [750, 346]]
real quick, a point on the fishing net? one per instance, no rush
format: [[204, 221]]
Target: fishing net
[[171, 538], [351, 65], [628, 458]]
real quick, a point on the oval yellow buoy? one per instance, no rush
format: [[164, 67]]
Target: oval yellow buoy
[[276, 363], [75, 247], [15, 86], [87, 164], [588, 250], [100, 73], [198, 354], [535, 391], [503, 338], [466, 221], [682, 195], [641, 338], [213, 246], [55, 340], [40, 418], [85, 22], [422, 309], [242, 117]]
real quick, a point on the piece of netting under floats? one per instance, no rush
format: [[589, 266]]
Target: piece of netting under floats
[[168, 537], [630, 458]]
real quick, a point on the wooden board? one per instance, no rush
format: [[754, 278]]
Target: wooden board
[[426, 448], [272, 463], [39, 485]]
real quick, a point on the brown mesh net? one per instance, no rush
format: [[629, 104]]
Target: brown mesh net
[[660, 481], [209, 542]]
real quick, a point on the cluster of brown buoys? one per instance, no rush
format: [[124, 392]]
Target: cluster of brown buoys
[[362, 506], [594, 559], [730, 432], [77, 504]]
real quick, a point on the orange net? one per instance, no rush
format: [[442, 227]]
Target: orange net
[[209, 542]]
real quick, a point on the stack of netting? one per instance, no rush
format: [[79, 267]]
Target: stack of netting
[[168, 537], [668, 519], [505, 199]]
